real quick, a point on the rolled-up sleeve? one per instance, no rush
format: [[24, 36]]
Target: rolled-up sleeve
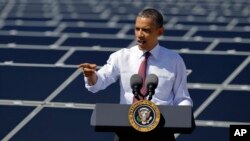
[[181, 94], [94, 88], [106, 75]]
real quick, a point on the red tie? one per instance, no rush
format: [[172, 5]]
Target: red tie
[[142, 72]]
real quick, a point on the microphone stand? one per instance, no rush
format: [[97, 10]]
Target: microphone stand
[[150, 95], [137, 93]]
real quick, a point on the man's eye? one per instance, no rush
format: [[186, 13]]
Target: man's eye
[[146, 30]]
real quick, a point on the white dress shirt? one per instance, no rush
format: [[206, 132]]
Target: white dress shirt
[[166, 64]]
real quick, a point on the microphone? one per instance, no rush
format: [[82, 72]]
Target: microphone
[[151, 83], [136, 84]]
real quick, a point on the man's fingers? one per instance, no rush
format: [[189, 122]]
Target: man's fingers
[[84, 65], [88, 69], [88, 72], [92, 66], [87, 65]]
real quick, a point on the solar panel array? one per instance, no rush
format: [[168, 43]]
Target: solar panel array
[[42, 94]]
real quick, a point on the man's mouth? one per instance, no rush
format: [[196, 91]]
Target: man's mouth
[[141, 42]]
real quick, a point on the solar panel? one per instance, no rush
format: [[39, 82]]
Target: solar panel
[[50, 123], [16, 55], [243, 77], [206, 67], [96, 42], [194, 45], [29, 28], [91, 30], [27, 40], [76, 93], [233, 46], [30, 83], [11, 116], [88, 56], [224, 109], [223, 34]]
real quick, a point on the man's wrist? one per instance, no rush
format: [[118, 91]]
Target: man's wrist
[[92, 80]]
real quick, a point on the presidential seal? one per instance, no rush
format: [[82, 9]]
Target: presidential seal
[[144, 116]]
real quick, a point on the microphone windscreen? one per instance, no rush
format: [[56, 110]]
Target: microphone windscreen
[[135, 80], [152, 80]]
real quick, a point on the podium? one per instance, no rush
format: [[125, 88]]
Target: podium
[[114, 118]]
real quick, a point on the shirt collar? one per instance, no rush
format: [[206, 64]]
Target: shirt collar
[[154, 52]]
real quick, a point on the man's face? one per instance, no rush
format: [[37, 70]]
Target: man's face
[[146, 33]]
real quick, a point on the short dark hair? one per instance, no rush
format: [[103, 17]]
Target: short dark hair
[[152, 13]]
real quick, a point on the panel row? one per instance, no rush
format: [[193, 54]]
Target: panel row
[[123, 7], [51, 122], [130, 31], [82, 42], [34, 83]]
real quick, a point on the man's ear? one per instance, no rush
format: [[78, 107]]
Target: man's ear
[[161, 31]]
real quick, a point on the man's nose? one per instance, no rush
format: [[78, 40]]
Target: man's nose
[[140, 33]]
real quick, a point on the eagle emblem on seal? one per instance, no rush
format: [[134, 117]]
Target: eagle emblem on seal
[[144, 116]]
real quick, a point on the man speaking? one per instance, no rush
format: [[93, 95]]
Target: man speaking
[[147, 57]]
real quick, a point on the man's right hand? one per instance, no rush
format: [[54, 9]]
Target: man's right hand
[[89, 72]]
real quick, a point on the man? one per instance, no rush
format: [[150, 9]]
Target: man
[[166, 64]]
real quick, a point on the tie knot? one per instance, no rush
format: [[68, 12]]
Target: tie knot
[[147, 54]]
